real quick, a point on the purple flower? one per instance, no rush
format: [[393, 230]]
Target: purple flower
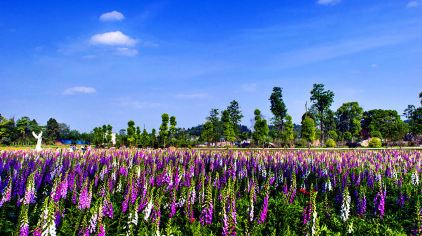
[[24, 230], [85, 198], [264, 211]]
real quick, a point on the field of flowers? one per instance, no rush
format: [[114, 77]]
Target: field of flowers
[[205, 192]]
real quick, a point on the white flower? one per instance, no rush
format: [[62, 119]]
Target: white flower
[[147, 210]]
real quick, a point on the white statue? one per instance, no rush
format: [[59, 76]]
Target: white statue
[[39, 139], [113, 139]]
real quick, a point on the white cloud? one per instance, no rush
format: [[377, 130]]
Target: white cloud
[[191, 95], [328, 2], [374, 65], [412, 4], [115, 38], [112, 16], [130, 52], [80, 90]]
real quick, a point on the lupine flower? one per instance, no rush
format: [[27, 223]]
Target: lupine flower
[[264, 211]]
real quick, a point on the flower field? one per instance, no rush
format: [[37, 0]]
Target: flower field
[[204, 192]]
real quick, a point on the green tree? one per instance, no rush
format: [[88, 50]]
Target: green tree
[[387, 122], [279, 110], [145, 139], [288, 131], [131, 133], [138, 136], [215, 120], [109, 132], [261, 129], [23, 128], [235, 116], [164, 129], [349, 116], [153, 138], [52, 130], [228, 130], [173, 131], [208, 132], [7, 127], [308, 128], [322, 100]]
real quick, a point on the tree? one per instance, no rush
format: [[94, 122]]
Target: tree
[[308, 128], [173, 130], [145, 139], [164, 129], [52, 130], [387, 122], [153, 138], [349, 116], [235, 115], [420, 97], [228, 130], [23, 128], [288, 131], [109, 131], [278, 108], [208, 132], [215, 120], [322, 100], [7, 127], [64, 130], [261, 129], [415, 121], [131, 133], [138, 136]]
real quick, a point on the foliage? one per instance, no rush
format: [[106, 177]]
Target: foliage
[[52, 130], [322, 100], [235, 115], [278, 108], [308, 128], [131, 133], [349, 116], [387, 122], [330, 143], [261, 129], [163, 135], [288, 132], [375, 142]]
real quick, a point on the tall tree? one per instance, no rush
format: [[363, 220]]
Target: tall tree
[[153, 138], [145, 139], [228, 130], [308, 128], [214, 118], [288, 131], [138, 136], [52, 130], [322, 100], [173, 130], [235, 116], [208, 132], [261, 129], [131, 132], [279, 110], [349, 116], [164, 129]]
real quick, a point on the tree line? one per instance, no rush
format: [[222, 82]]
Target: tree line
[[320, 126]]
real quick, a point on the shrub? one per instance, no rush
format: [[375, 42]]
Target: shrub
[[375, 143], [330, 143]]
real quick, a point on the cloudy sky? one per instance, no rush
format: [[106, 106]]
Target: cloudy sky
[[98, 62]]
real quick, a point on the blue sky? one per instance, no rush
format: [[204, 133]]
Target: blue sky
[[89, 63]]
